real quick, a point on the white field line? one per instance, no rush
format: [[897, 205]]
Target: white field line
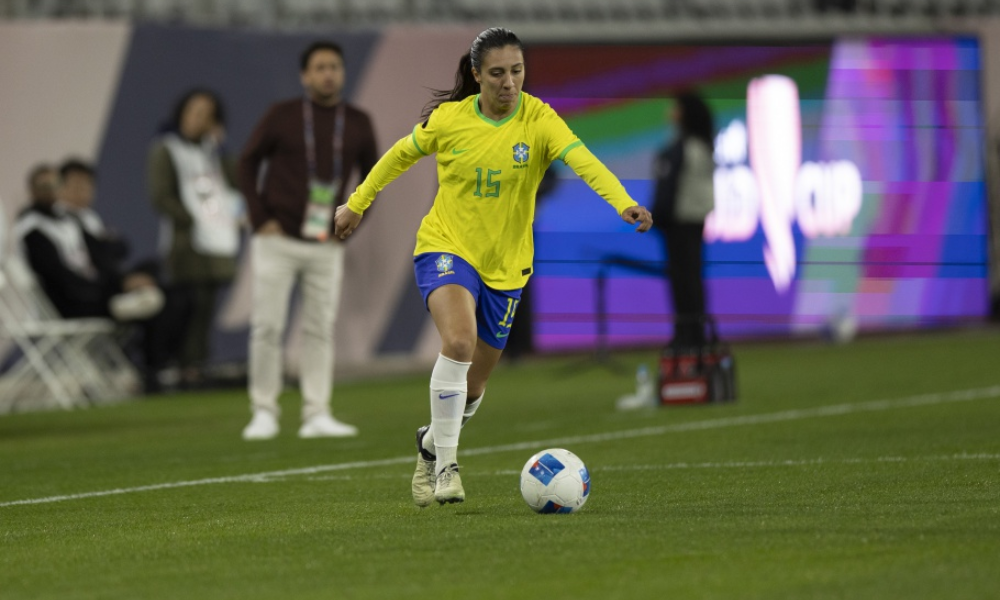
[[776, 417], [752, 464]]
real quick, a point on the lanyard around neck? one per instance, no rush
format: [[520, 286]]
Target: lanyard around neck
[[338, 140]]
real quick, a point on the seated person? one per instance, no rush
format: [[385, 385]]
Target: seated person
[[76, 196], [55, 247]]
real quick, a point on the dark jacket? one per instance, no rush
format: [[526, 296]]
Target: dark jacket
[[280, 140], [73, 294]]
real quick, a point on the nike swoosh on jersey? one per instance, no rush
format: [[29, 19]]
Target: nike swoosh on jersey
[[443, 397], [457, 151], [502, 335]]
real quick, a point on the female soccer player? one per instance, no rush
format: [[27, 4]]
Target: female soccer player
[[474, 248]]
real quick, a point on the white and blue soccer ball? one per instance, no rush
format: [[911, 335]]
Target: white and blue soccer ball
[[555, 481]]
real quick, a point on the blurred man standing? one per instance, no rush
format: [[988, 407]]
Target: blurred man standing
[[310, 146]]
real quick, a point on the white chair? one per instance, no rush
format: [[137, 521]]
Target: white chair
[[58, 363]]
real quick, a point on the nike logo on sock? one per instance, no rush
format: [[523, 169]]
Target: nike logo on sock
[[443, 397]]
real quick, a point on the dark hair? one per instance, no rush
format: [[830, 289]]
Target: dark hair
[[75, 165], [315, 47], [696, 118], [465, 83], [36, 171], [219, 113]]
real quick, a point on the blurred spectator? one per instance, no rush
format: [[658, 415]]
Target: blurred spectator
[[311, 145], [76, 193], [55, 246], [156, 339], [684, 196], [192, 185]]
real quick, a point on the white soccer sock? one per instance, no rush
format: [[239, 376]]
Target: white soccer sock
[[448, 393], [470, 409]]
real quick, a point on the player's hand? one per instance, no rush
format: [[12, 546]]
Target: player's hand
[[345, 221], [638, 214]]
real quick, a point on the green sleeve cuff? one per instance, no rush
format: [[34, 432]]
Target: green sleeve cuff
[[576, 144], [413, 137]]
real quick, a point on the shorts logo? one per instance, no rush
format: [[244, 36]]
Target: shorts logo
[[521, 152], [444, 264]]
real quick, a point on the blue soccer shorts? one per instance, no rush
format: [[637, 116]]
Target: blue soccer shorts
[[494, 308]]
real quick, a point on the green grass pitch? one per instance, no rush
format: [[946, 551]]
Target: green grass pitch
[[870, 470]]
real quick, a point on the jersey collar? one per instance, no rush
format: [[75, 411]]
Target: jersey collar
[[513, 113]]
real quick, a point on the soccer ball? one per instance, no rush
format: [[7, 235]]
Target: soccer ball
[[555, 481]]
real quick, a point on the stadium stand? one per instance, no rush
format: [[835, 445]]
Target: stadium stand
[[680, 14]]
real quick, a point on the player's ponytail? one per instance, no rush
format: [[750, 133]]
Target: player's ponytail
[[465, 82]]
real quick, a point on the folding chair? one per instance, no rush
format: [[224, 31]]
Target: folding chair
[[63, 362]]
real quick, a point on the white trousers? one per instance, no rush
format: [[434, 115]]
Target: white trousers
[[278, 263]]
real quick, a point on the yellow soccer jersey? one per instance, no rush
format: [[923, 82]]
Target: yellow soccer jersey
[[488, 174]]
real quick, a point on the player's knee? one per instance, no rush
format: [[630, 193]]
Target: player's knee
[[458, 347]]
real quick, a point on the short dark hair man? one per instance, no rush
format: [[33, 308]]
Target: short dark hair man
[[311, 146]]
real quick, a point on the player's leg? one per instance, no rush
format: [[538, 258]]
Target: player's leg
[[453, 309], [494, 317], [425, 476], [274, 270], [483, 363], [484, 360], [495, 312]]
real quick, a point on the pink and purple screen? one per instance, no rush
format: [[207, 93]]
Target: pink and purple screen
[[848, 182]]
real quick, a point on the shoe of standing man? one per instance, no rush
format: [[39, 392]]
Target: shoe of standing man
[[263, 426], [325, 425]]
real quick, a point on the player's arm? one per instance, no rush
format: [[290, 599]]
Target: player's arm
[[583, 162], [403, 155]]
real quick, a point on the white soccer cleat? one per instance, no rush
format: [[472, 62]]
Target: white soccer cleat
[[449, 486], [263, 426], [425, 475], [326, 426]]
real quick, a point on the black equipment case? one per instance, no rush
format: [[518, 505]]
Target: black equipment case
[[698, 374]]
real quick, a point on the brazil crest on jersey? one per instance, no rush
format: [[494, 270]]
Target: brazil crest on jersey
[[488, 174]]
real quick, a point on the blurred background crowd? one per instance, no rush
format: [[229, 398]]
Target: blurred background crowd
[[853, 146]]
